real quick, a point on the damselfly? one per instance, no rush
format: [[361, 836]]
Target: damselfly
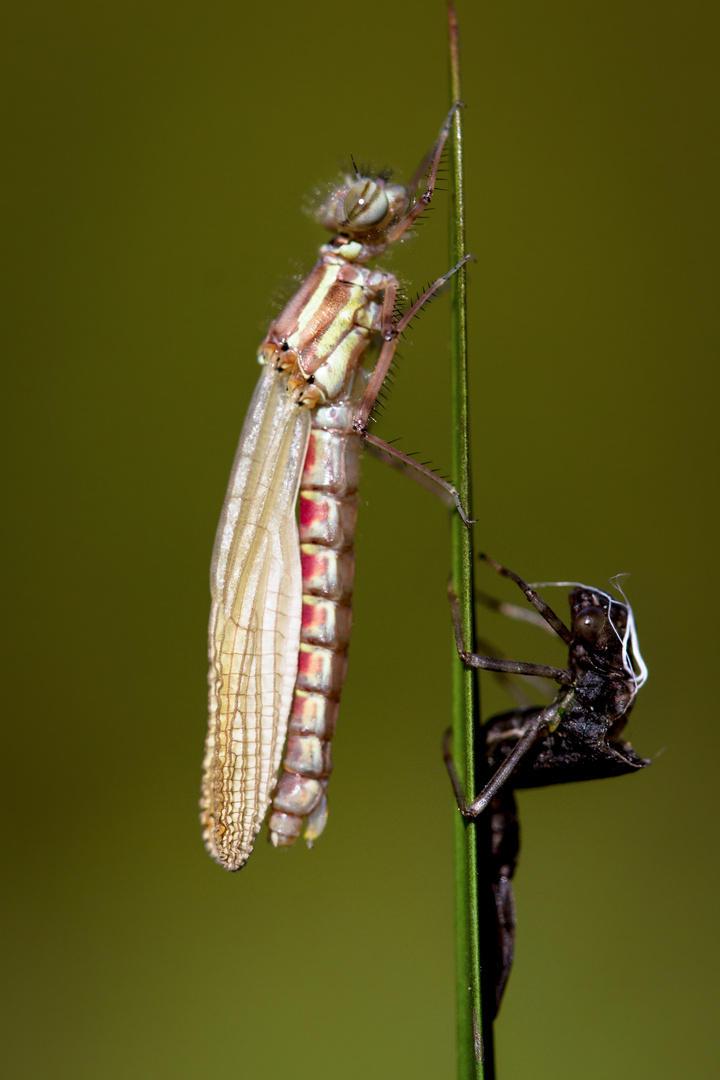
[[281, 610], [576, 737]]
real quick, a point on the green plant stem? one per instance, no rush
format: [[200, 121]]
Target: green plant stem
[[474, 1039]]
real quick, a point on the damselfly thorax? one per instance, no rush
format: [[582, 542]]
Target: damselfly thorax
[[281, 611]]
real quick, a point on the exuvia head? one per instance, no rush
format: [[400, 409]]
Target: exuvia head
[[604, 623]]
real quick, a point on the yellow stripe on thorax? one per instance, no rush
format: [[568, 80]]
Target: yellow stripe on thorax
[[319, 297]]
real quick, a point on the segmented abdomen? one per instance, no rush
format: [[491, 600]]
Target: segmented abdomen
[[328, 508]]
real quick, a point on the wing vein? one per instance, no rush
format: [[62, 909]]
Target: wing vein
[[254, 622]]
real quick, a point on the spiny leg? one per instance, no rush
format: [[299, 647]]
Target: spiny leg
[[423, 471], [391, 334], [433, 158]]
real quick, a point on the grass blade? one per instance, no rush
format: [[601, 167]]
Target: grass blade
[[474, 1039]]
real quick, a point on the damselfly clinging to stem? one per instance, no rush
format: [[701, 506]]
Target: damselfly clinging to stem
[[281, 599]]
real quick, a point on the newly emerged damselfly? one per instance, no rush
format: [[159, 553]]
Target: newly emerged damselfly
[[281, 598], [578, 736]]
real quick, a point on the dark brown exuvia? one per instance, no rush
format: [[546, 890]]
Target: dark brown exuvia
[[578, 736]]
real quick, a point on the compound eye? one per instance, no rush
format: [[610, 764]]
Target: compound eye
[[589, 622], [366, 205]]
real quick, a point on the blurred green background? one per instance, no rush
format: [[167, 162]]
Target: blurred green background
[[158, 156]]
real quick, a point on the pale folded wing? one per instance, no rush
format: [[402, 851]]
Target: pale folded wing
[[254, 622]]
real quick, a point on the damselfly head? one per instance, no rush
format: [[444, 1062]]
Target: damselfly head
[[363, 205], [366, 205]]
